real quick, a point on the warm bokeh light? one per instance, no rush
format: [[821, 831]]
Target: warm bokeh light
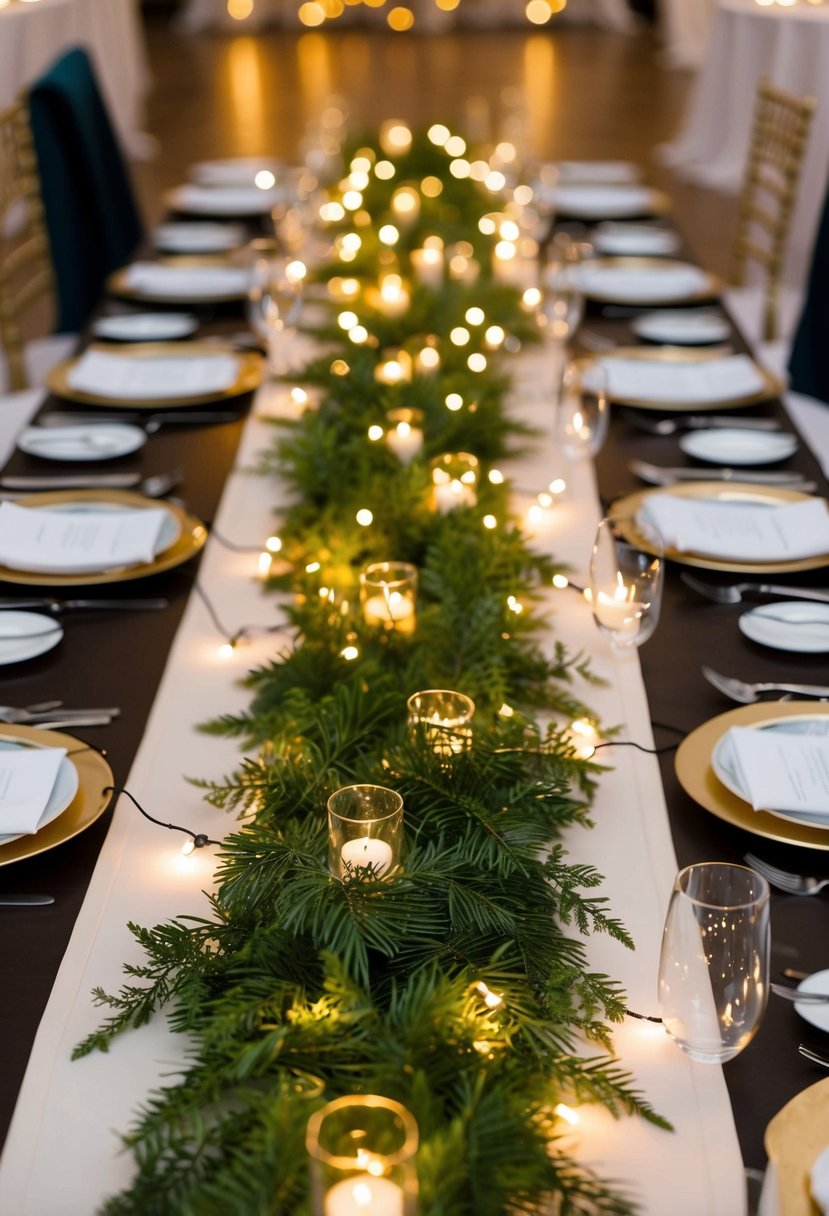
[[538, 12], [310, 13], [239, 10], [400, 18]]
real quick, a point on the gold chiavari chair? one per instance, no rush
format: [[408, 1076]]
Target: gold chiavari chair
[[26, 281], [778, 143]]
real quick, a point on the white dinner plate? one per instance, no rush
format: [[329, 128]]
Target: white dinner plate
[[691, 327], [634, 239], [233, 171], [25, 635], [645, 280], [725, 769], [63, 791], [199, 237], [146, 326], [738, 445], [85, 441], [816, 1015], [796, 625], [598, 172], [605, 202], [222, 200]]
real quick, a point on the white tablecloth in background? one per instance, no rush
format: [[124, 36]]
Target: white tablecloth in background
[[63, 1156], [685, 26], [33, 35], [472, 14], [790, 45]]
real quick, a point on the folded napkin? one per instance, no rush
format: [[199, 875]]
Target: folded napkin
[[738, 530], [186, 282], [820, 1181], [682, 382], [78, 542], [133, 378], [27, 778], [782, 772]]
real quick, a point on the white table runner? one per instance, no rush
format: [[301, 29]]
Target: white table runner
[[63, 1154]]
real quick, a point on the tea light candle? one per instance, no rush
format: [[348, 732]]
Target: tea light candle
[[358, 855], [452, 494], [618, 612], [394, 297], [427, 265], [404, 438], [446, 716], [392, 610]]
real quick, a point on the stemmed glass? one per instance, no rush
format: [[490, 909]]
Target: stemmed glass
[[582, 413], [626, 585], [274, 298], [713, 969], [561, 303]]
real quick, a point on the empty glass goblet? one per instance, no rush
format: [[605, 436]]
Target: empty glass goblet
[[626, 585], [582, 412], [561, 300], [274, 298], [713, 969]]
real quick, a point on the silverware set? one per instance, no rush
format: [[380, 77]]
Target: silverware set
[[55, 714], [734, 593], [697, 422], [149, 422], [661, 476], [784, 880]]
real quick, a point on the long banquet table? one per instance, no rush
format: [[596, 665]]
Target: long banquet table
[[62, 1153]]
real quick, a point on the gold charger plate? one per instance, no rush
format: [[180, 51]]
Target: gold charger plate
[[250, 366], [794, 1139], [772, 385], [118, 285], [696, 775], [91, 800], [191, 538], [624, 512], [713, 284]]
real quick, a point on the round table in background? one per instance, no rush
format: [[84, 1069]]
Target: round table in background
[[790, 45]]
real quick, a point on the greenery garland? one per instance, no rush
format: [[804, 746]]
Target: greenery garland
[[301, 987]]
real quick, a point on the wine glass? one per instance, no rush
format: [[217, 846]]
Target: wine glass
[[626, 585], [582, 412], [713, 969], [561, 302], [274, 298]]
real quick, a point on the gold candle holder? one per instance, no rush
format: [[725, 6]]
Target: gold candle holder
[[362, 1149], [454, 481], [365, 830], [445, 716], [388, 592]]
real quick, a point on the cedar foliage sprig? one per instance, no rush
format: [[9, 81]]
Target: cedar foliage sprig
[[299, 986]]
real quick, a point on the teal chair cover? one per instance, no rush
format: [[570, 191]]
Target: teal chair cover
[[91, 215], [809, 358]]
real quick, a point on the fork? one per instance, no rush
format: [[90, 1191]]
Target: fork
[[794, 994], [732, 593], [14, 716], [739, 690], [694, 422], [814, 1056], [784, 880]]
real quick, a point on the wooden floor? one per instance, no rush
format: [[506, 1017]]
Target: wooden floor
[[582, 93]]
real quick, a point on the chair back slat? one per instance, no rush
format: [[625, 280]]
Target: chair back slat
[[778, 142], [25, 268]]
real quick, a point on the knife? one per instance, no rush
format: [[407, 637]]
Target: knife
[[19, 901], [58, 606], [90, 719], [660, 476], [102, 481], [145, 419]]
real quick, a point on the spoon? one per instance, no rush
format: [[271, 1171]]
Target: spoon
[[154, 486]]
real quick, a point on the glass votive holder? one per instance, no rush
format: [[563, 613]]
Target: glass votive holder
[[454, 481], [362, 1149], [626, 581], [388, 592], [365, 830], [445, 716], [405, 433]]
